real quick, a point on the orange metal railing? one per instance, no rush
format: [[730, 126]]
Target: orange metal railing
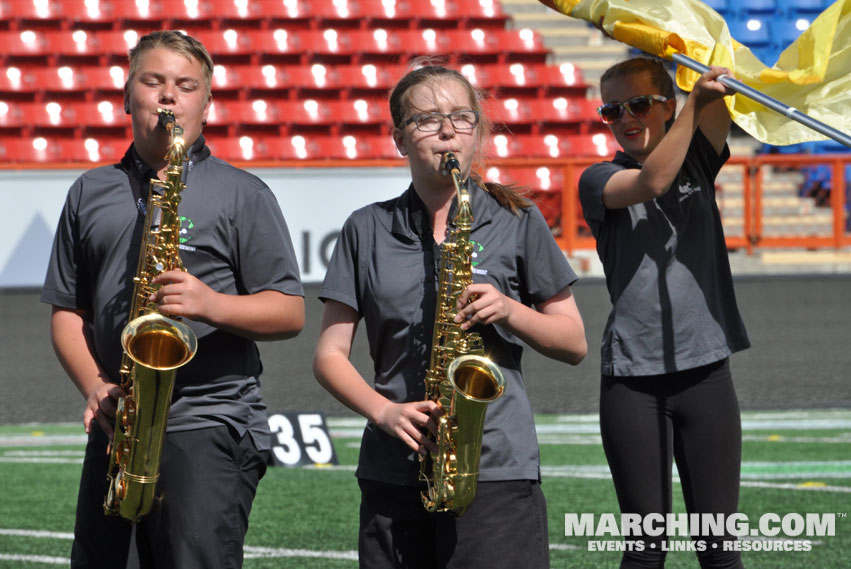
[[572, 233], [569, 227]]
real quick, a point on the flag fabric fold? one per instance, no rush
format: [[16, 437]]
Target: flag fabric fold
[[813, 74]]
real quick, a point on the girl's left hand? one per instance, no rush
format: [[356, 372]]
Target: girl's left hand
[[482, 304]]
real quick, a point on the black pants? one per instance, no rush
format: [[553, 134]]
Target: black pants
[[692, 416], [504, 527], [208, 478]]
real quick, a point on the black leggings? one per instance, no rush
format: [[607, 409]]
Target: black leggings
[[692, 416]]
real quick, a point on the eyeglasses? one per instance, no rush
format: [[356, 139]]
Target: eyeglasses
[[638, 107], [433, 122]]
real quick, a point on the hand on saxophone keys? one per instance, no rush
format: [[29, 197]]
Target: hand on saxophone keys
[[409, 421], [101, 404], [182, 294], [482, 303]]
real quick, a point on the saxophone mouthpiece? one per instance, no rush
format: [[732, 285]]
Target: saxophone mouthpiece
[[166, 118], [450, 163]]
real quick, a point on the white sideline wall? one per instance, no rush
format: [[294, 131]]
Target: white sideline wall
[[315, 202]]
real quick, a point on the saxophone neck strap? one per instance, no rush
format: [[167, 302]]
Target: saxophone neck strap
[[140, 174]]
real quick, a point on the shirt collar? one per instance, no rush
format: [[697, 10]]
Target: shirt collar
[[621, 158], [410, 216], [194, 154]]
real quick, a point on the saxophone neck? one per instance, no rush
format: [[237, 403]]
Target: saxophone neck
[[177, 144], [451, 166]]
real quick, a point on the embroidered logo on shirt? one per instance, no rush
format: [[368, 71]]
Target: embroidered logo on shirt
[[475, 258], [687, 188], [186, 226]]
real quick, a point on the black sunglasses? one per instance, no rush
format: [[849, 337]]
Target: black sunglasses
[[638, 107]]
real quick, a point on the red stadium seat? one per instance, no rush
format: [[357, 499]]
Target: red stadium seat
[[531, 80], [509, 145], [294, 147], [237, 149], [357, 147], [600, 144], [405, 44], [231, 81], [231, 45], [17, 82], [257, 115], [496, 46], [486, 14], [100, 117], [309, 116], [52, 150], [322, 147], [361, 115], [563, 115], [103, 81], [100, 148], [144, 15], [12, 117], [549, 145], [379, 147], [82, 14], [387, 45], [387, 14], [26, 15], [78, 46], [277, 45], [337, 147], [514, 114], [291, 14], [18, 149], [76, 118], [347, 14], [368, 80], [455, 14], [72, 81], [51, 117], [237, 13], [24, 46], [328, 46], [313, 80], [510, 80], [546, 178], [564, 79], [114, 45]]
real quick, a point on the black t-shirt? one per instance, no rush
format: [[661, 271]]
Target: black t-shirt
[[386, 267], [233, 238], [667, 271]]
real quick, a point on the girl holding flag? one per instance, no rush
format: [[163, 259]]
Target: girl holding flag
[[666, 392]]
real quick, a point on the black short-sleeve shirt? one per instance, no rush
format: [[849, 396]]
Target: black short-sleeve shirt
[[386, 267], [667, 270], [233, 238]]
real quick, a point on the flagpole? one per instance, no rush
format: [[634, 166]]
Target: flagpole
[[771, 103]]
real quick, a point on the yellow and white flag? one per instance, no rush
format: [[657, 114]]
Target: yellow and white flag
[[812, 75]]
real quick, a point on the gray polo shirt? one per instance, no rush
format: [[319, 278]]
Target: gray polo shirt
[[386, 267], [233, 238], [667, 270]]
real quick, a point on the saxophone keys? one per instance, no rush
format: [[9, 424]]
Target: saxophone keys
[[120, 486]]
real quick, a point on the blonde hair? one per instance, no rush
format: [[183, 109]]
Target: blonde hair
[[424, 70], [175, 41]]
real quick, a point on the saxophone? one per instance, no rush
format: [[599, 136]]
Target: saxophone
[[154, 347], [460, 379]]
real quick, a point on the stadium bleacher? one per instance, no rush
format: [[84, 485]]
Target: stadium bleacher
[[298, 80], [294, 80]]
